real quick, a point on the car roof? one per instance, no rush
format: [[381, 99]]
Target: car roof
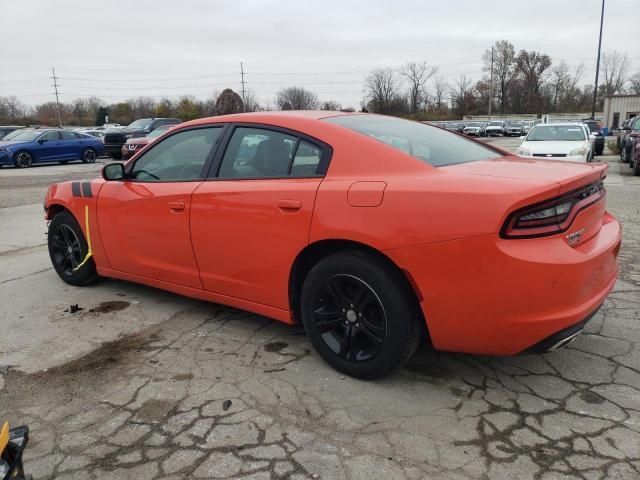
[[270, 117], [560, 124]]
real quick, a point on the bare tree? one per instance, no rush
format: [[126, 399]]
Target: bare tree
[[382, 87], [296, 98], [440, 88], [460, 94], [558, 82], [613, 68], [251, 103], [14, 107], [229, 102], [634, 84], [533, 67], [417, 75], [330, 105], [504, 68]]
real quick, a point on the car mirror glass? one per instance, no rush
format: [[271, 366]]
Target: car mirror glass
[[113, 171]]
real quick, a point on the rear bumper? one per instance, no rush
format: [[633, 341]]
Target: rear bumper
[[113, 148], [493, 296], [562, 338]]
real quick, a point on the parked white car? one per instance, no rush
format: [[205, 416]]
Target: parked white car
[[558, 141]]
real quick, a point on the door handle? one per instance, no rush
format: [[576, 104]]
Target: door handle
[[289, 204], [176, 206]]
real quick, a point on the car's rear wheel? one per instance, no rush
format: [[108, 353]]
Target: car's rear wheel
[[68, 248], [88, 155], [23, 159], [624, 155], [359, 314]]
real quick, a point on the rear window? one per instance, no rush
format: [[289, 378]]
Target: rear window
[[432, 145], [556, 133]]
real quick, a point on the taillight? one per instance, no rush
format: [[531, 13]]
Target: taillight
[[551, 216]]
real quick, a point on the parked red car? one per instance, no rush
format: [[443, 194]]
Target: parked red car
[[372, 231], [134, 145]]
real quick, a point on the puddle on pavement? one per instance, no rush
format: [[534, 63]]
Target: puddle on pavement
[[274, 347], [110, 306]]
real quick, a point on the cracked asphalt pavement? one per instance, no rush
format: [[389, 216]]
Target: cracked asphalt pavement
[[142, 384]]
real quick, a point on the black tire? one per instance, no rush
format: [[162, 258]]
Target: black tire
[[371, 319], [23, 159], [599, 150], [624, 155], [116, 156], [64, 162], [68, 248], [634, 164], [89, 155]]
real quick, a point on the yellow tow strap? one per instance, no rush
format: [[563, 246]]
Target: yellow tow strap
[[86, 227], [4, 436]]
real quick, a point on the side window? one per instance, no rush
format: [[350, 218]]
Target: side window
[[69, 135], [50, 136], [636, 124], [305, 163], [178, 157], [257, 153]]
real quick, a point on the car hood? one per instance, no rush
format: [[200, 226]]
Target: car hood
[[551, 147], [11, 143], [138, 141], [568, 175]]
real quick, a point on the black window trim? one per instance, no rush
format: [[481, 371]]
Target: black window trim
[[205, 168], [321, 170]]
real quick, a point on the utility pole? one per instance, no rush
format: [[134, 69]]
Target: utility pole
[[243, 82], [55, 86], [491, 84], [595, 88]]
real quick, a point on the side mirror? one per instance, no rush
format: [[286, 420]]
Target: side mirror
[[113, 171], [626, 128], [42, 140]]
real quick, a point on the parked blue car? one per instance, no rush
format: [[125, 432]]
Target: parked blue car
[[28, 146]]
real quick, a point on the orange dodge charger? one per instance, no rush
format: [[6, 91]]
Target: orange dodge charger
[[373, 232]]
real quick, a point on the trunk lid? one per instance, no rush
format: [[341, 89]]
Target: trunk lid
[[567, 175], [564, 176]]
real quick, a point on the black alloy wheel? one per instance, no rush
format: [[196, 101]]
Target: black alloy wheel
[[23, 159], [66, 251], [360, 313], [350, 318], [89, 155]]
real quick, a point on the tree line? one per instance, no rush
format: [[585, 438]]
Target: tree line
[[513, 82]]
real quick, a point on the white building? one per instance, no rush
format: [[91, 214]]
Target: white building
[[617, 108]]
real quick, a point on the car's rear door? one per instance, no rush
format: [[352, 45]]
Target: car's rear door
[[144, 220], [71, 147], [249, 222]]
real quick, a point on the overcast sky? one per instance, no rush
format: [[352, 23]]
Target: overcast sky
[[117, 49]]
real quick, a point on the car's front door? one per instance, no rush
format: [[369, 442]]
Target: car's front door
[[47, 147], [249, 223], [144, 219]]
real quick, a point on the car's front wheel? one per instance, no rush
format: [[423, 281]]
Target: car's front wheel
[[88, 155], [23, 159], [68, 249], [359, 314]]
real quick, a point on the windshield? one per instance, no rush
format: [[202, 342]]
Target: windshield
[[516, 124], [142, 123], [495, 124], [23, 135], [473, 124], [560, 133], [432, 145], [157, 132]]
